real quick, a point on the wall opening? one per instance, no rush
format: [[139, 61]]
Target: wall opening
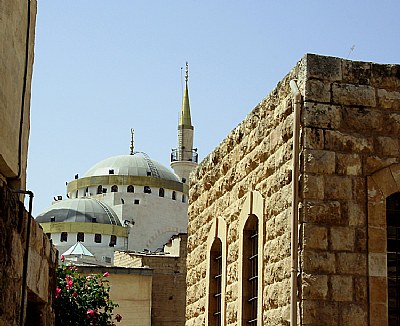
[[215, 283]]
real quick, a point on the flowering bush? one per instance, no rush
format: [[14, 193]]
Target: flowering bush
[[81, 300]]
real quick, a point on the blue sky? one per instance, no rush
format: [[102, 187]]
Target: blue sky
[[103, 67]]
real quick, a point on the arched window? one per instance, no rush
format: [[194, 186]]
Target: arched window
[[147, 190], [183, 198], [130, 189], [250, 271], [215, 284], [393, 257], [174, 195], [80, 237], [161, 192], [99, 189], [114, 188]]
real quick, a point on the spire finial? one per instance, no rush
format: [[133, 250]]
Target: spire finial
[[132, 140], [187, 72]]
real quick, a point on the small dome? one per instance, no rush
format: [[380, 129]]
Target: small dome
[[132, 165], [79, 210]]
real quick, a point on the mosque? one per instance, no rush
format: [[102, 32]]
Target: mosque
[[126, 202]]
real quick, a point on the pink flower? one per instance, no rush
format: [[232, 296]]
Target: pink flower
[[62, 258], [69, 285], [118, 317], [106, 274], [58, 291], [89, 313], [89, 277]]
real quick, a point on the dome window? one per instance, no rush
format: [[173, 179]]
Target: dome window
[[114, 188], [80, 237], [130, 189], [161, 192], [111, 171], [94, 220], [99, 190], [97, 238], [52, 219], [64, 237], [174, 195], [147, 190], [113, 240]]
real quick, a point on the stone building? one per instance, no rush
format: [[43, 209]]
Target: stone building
[[27, 258], [333, 126]]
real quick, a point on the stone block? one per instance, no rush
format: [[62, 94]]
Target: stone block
[[313, 187], [377, 264], [387, 146], [316, 312], [361, 289], [392, 124], [375, 163], [318, 262], [385, 76], [315, 237], [356, 213], [315, 287], [388, 100], [318, 91], [378, 314], [323, 212], [319, 161], [351, 263], [342, 287], [323, 116], [354, 314], [385, 182], [346, 143], [314, 138], [342, 238], [376, 214], [356, 95], [324, 68], [378, 289], [360, 244], [377, 239], [356, 72], [348, 164], [338, 187], [363, 120]]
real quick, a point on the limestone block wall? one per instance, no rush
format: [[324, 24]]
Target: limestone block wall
[[256, 155], [17, 31], [350, 131], [40, 276]]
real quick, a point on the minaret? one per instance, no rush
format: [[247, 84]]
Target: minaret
[[184, 158]]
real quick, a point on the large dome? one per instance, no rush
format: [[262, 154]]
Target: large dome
[[79, 210], [133, 165]]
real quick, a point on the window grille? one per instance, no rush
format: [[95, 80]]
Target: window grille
[[250, 271], [393, 257], [215, 302]]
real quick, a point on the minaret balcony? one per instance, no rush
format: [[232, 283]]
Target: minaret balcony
[[182, 155]]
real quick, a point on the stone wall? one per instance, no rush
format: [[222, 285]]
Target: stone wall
[[168, 283], [350, 128], [17, 31], [40, 276]]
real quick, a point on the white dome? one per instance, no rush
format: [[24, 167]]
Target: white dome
[[131, 165], [79, 210]]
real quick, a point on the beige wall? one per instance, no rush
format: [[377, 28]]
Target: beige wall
[[131, 289], [350, 129], [168, 283], [15, 63]]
